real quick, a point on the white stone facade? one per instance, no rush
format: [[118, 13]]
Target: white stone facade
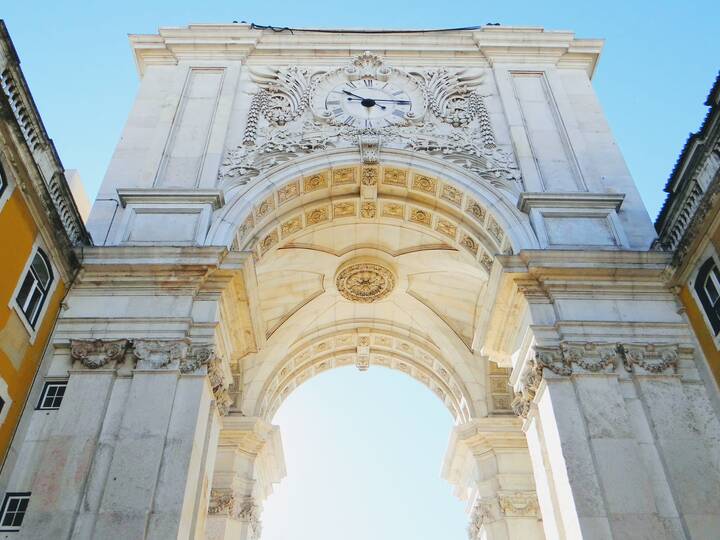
[[459, 212]]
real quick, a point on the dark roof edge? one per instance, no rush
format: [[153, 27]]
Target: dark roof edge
[[712, 101]]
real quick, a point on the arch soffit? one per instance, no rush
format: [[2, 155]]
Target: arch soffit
[[364, 347], [315, 190]]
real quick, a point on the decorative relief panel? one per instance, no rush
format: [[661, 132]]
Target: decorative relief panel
[[301, 110]]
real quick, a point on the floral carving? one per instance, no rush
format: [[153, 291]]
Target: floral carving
[[369, 176], [365, 282], [96, 353], [368, 210]]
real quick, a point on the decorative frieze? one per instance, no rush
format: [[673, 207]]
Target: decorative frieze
[[582, 358]]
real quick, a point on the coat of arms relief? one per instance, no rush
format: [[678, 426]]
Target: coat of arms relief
[[370, 106]]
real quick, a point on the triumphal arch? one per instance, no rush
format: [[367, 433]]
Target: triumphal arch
[[451, 205]]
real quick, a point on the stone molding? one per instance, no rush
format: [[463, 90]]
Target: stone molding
[[568, 359], [157, 354], [514, 504]]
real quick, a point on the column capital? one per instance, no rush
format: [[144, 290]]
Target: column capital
[[569, 358]]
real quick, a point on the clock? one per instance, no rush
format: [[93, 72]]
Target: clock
[[367, 103]]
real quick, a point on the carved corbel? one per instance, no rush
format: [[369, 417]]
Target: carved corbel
[[97, 353]]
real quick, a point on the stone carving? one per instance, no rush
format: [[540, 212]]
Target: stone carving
[[369, 176], [197, 357], [513, 504], [651, 358], [523, 399], [96, 353], [368, 210], [484, 511], [572, 358], [221, 502], [219, 386], [519, 504], [365, 282], [250, 512], [451, 96], [156, 354], [453, 125]]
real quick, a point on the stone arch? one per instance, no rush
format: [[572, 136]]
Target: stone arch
[[383, 346], [484, 212]]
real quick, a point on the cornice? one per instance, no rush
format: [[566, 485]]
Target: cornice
[[529, 200], [490, 44], [213, 197]]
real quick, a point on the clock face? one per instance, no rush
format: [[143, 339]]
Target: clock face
[[367, 103]]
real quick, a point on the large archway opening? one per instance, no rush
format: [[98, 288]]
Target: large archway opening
[[371, 266], [363, 454]]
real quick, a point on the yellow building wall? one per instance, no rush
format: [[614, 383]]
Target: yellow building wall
[[19, 358]]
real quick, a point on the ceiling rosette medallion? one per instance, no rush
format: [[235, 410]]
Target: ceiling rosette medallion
[[364, 281], [369, 106]]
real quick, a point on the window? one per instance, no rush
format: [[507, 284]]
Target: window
[[3, 181], [35, 287], [13, 511], [52, 395], [707, 287], [2, 404]]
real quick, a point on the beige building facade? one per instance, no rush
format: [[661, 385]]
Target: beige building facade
[[451, 205]]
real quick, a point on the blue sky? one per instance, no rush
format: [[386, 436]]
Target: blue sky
[[364, 449]]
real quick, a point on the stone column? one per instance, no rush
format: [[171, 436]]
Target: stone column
[[69, 448], [617, 450], [249, 461], [133, 447], [488, 462]]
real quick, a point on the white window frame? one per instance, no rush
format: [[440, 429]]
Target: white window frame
[[708, 253], [5, 395], [24, 495], [32, 332], [10, 185], [43, 395]]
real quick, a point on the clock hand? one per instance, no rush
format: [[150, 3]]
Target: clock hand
[[353, 95], [398, 101]]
